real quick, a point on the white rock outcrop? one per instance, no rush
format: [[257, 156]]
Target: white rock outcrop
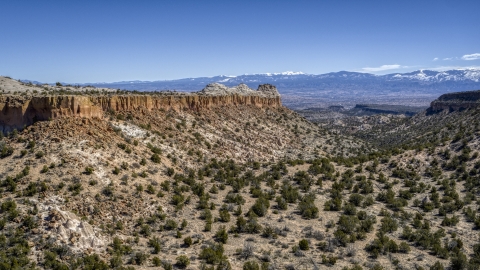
[[217, 89], [68, 229]]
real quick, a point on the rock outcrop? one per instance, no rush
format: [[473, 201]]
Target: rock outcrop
[[456, 101], [17, 112], [66, 228], [216, 89]]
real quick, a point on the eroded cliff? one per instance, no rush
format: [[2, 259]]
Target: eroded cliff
[[18, 112], [456, 101]]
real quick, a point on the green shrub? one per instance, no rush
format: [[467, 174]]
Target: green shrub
[[155, 244], [450, 221], [234, 198], [93, 182], [156, 261], [150, 189], [170, 171], [459, 261], [178, 199], [155, 158], [107, 191], [349, 209], [118, 247], [212, 254], [89, 170], [167, 266], [31, 190], [289, 193], [75, 188], [5, 150], [330, 260], [155, 149], [116, 171], [307, 207], [251, 265], [208, 226], [381, 245], [138, 258], [437, 266], [39, 154], [221, 235], [50, 261], [116, 262], [224, 215], [356, 199], [404, 247], [9, 184], [388, 225], [260, 207], [182, 261], [145, 230], [334, 204], [170, 224], [187, 241], [303, 244], [355, 267], [29, 222]]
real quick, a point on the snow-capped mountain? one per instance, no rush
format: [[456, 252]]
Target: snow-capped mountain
[[439, 76], [464, 79]]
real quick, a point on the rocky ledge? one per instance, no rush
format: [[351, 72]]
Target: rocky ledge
[[456, 101], [216, 89], [18, 112]]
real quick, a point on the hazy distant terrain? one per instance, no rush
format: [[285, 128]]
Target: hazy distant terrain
[[333, 113], [300, 91]]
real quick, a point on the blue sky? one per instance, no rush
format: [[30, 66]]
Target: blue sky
[[106, 41]]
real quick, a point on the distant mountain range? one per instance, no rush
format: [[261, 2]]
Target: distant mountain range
[[422, 80], [298, 89]]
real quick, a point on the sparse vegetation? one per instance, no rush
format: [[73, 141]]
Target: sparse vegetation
[[181, 180]]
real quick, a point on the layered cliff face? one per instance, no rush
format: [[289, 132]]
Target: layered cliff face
[[456, 101], [19, 111]]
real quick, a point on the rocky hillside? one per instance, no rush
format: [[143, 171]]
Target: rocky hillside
[[236, 186], [109, 177], [139, 190]]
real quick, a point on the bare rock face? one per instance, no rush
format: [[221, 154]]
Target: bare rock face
[[69, 229], [216, 89], [17, 112], [268, 89], [66, 228]]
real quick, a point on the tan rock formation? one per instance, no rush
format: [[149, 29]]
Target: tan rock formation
[[17, 112]]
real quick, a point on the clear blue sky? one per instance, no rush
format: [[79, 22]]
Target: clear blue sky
[[105, 41]]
